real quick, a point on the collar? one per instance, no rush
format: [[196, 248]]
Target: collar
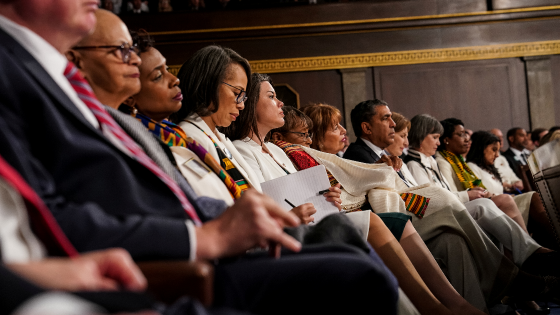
[[50, 58], [195, 118], [377, 150], [427, 161], [515, 151]]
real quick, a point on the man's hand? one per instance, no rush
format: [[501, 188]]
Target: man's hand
[[392, 160], [305, 212], [253, 220], [95, 271], [334, 196]]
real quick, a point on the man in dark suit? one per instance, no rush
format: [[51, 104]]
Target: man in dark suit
[[516, 154], [103, 194], [375, 130]]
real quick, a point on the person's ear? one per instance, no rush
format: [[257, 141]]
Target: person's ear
[[276, 136], [130, 102], [75, 57], [366, 128]]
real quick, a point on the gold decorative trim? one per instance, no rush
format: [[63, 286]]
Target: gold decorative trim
[[354, 22], [403, 57], [406, 57]]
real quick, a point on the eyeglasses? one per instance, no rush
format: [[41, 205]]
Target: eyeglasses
[[241, 97], [462, 134], [124, 49], [304, 135]]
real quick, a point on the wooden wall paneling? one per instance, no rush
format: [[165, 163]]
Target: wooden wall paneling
[[514, 4], [314, 86], [260, 48], [555, 69], [484, 94], [540, 91], [364, 10]]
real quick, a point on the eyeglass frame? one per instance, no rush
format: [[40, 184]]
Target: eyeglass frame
[[122, 47], [305, 135], [242, 94], [463, 135]]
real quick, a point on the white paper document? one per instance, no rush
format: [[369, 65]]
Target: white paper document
[[302, 187]]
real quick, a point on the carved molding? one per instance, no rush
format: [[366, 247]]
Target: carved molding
[[403, 57]]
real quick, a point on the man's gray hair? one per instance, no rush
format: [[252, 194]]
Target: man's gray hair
[[421, 126]]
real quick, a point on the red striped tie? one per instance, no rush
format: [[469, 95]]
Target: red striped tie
[[41, 219], [106, 122]]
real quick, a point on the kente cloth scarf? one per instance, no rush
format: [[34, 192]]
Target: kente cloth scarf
[[302, 160], [462, 170], [226, 165], [166, 131], [173, 135]]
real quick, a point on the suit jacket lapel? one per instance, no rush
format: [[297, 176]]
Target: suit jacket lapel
[[42, 77], [374, 156], [46, 81]]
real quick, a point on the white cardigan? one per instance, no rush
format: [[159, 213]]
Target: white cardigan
[[223, 142], [421, 175], [262, 163]]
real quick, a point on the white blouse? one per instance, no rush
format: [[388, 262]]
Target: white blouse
[[492, 184], [264, 165], [223, 143], [428, 171]]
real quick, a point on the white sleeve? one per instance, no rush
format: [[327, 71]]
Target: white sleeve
[[249, 158], [418, 172]]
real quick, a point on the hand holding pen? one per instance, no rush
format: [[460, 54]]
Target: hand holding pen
[[304, 212]]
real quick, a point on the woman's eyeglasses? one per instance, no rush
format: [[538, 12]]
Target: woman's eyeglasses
[[124, 49], [304, 135], [241, 97]]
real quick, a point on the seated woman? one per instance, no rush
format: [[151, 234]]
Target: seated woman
[[324, 117], [274, 162], [424, 140], [461, 178]]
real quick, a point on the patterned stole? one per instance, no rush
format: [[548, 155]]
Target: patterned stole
[[231, 176], [462, 170], [302, 160], [173, 135], [166, 131]]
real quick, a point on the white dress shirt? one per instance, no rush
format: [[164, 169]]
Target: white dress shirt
[[380, 152], [519, 156], [18, 244]]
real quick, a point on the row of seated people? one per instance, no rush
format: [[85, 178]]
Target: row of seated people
[[110, 183]]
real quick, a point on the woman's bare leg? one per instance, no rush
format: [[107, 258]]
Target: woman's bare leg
[[391, 252], [431, 273], [508, 206]]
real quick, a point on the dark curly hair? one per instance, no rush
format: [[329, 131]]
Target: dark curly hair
[[142, 40], [481, 140]]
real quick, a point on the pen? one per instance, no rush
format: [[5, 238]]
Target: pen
[[323, 191], [291, 204]]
